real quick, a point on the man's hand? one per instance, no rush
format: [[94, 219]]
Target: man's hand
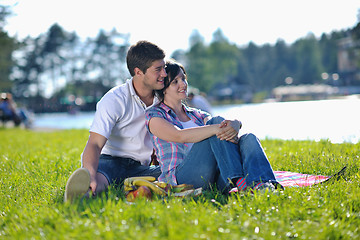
[[90, 159], [93, 185], [230, 130]]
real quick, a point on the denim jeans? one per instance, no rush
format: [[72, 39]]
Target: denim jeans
[[116, 169], [214, 161]]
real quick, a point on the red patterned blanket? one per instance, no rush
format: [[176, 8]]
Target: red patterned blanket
[[292, 179]]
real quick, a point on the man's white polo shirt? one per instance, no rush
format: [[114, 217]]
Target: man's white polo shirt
[[120, 117]]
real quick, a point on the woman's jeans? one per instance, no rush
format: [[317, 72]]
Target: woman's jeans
[[218, 161]]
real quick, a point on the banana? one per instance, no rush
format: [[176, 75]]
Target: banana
[[148, 178], [160, 188], [129, 181], [181, 188], [187, 193], [161, 184], [129, 188], [156, 189]]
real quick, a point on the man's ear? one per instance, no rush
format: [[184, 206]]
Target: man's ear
[[138, 71]]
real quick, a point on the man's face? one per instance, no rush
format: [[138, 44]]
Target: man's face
[[154, 76]]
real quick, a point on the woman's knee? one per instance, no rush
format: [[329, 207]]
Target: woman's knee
[[249, 138], [215, 120]]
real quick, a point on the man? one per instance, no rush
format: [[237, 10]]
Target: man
[[119, 145]]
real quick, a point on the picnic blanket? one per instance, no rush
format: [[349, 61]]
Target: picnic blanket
[[293, 179]]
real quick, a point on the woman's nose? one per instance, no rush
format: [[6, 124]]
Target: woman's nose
[[183, 83]]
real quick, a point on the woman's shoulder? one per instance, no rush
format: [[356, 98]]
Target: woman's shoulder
[[160, 107], [196, 111], [155, 111]]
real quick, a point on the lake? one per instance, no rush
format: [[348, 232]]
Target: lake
[[336, 120]]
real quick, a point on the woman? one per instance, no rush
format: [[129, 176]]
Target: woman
[[194, 148]]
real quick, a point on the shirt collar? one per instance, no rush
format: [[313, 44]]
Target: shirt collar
[[131, 87], [168, 109], [188, 109], [133, 92]]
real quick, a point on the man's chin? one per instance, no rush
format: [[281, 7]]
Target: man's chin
[[159, 86]]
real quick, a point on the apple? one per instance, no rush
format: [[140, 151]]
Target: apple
[[141, 192]]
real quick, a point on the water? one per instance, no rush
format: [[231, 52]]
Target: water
[[335, 120], [64, 120]]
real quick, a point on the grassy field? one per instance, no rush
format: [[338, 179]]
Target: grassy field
[[34, 168]]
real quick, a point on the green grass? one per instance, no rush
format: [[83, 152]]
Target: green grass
[[34, 168]]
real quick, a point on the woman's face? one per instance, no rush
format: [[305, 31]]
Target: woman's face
[[177, 89]]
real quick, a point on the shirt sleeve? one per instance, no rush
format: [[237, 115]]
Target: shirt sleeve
[[153, 112], [199, 115], [106, 116], [203, 114]]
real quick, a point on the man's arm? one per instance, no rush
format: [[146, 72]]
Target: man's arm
[[91, 156]]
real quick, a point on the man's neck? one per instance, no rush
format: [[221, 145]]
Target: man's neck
[[145, 94]]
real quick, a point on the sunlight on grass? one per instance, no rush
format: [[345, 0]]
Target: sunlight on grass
[[34, 168]]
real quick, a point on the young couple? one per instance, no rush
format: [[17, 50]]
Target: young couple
[[190, 146]]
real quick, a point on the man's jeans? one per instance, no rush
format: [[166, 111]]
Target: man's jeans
[[214, 161], [116, 169]]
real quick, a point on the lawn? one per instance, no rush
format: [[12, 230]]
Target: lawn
[[34, 168]]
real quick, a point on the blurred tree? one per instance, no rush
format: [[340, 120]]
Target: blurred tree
[[284, 64], [196, 64], [40, 63], [106, 57], [180, 56], [355, 33], [329, 49], [53, 56], [62, 60], [262, 67], [308, 60], [196, 39], [252, 66], [8, 45], [28, 68], [242, 76], [46, 64], [214, 64], [223, 58], [73, 66]]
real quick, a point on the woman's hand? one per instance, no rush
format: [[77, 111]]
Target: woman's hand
[[229, 130]]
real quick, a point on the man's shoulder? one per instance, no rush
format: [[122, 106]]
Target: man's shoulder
[[117, 96], [119, 91]]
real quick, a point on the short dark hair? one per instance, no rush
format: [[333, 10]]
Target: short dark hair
[[141, 55], [172, 69]]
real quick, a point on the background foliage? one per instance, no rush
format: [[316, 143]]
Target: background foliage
[[53, 68]]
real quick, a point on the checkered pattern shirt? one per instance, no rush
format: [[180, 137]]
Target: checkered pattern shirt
[[171, 154]]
